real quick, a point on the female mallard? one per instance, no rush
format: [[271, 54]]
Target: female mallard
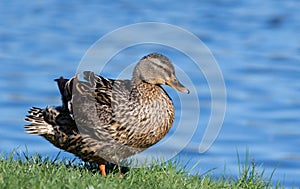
[[103, 120]]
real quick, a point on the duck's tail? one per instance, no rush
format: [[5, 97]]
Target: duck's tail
[[38, 124]]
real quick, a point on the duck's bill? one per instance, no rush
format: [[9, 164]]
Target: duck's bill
[[178, 86]]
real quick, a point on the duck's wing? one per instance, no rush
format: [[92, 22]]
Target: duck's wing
[[105, 91], [94, 86], [93, 91], [99, 87], [93, 101]]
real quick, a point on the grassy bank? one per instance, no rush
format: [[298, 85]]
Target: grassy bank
[[39, 172]]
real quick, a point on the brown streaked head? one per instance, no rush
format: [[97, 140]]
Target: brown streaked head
[[158, 70]]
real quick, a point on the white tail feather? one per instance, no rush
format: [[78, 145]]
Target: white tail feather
[[38, 124]]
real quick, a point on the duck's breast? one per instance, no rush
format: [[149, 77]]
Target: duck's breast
[[145, 118]]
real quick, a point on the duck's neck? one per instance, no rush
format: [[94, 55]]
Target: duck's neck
[[136, 77]]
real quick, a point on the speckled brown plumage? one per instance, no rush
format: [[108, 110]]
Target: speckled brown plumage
[[104, 120]]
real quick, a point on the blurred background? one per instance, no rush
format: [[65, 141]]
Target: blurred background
[[256, 44]]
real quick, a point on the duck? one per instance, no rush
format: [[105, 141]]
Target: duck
[[105, 120]]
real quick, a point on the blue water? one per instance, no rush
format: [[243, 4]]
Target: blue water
[[256, 44]]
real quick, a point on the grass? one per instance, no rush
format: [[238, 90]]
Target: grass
[[42, 172]]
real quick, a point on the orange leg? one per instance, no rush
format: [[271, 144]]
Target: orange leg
[[121, 176], [102, 169]]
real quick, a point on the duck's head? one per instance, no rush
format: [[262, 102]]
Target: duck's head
[[157, 69]]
